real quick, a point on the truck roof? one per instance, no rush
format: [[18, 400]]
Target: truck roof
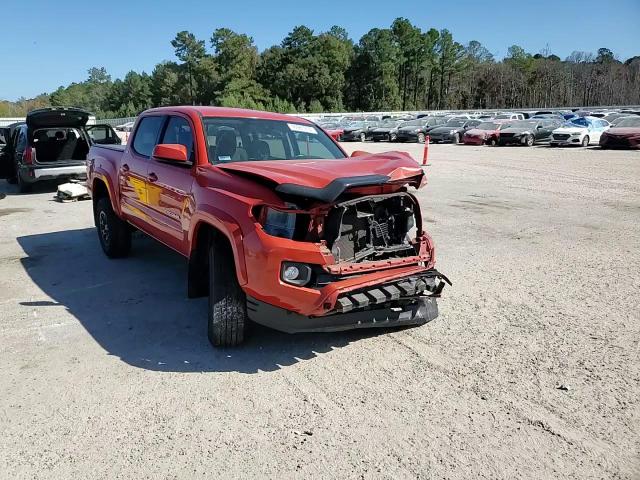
[[228, 112]]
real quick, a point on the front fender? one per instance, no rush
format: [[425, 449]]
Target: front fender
[[226, 224]]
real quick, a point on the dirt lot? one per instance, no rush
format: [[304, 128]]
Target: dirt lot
[[532, 369]]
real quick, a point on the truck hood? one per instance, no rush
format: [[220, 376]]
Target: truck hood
[[326, 180]]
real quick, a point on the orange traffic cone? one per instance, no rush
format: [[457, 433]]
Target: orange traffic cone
[[425, 155]]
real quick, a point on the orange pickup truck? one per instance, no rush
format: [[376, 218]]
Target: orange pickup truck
[[279, 225]]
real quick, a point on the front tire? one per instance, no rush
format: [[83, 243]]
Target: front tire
[[227, 302], [529, 141], [113, 232], [363, 137], [421, 137], [456, 139], [585, 141], [492, 142]]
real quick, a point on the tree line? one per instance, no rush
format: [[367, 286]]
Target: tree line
[[397, 68]]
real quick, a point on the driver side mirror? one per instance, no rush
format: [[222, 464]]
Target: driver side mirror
[[172, 152], [539, 127]]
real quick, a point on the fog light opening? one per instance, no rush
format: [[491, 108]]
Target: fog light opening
[[295, 273]]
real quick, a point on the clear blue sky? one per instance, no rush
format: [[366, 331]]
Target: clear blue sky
[[48, 43]]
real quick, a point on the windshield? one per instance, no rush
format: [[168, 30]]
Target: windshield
[[454, 123], [629, 122], [389, 124], [523, 124], [356, 125], [252, 139], [487, 126]]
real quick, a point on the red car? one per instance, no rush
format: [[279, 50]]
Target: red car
[[487, 133], [333, 130], [626, 134], [278, 225]]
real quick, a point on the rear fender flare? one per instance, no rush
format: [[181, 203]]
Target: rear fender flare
[[106, 179]]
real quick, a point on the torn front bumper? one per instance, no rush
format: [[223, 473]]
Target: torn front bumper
[[407, 301]]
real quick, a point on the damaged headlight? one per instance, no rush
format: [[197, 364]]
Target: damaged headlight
[[277, 223]]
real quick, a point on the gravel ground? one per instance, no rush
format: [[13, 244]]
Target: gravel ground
[[532, 369]]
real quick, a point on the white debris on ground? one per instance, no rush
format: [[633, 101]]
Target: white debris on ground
[[72, 192]]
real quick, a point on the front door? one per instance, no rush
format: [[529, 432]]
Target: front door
[[133, 171], [169, 186]]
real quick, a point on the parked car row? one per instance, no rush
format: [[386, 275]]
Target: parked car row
[[551, 127]]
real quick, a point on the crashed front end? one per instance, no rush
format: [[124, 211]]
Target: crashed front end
[[351, 256]]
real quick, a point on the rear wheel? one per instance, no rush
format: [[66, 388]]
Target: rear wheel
[[456, 138], [492, 141], [23, 187], [421, 137], [363, 137], [585, 141], [227, 302], [114, 233]]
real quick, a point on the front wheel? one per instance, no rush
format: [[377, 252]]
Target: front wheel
[[529, 141], [456, 139], [492, 142], [113, 232], [585, 141], [363, 137], [421, 137], [227, 302]]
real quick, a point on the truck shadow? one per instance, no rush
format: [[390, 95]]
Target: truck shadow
[[136, 308]]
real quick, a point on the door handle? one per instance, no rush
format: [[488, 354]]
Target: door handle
[[153, 177], [125, 167]]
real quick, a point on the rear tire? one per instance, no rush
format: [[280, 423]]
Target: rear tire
[[421, 137], [227, 302], [456, 138], [585, 141], [23, 187], [113, 232], [492, 142], [363, 137]]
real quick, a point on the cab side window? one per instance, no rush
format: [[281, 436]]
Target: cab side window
[[179, 132], [147, 135]]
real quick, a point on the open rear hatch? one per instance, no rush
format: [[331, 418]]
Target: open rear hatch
[[58, 135], [57, 117]]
